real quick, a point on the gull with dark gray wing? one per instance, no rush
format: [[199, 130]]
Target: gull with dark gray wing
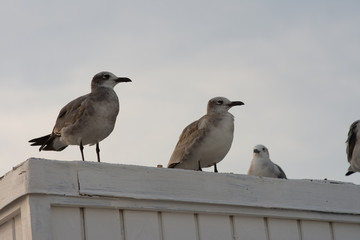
[[353, 148]]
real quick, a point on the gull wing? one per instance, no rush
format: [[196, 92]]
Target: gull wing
[[70, 114], [281, 173], [188, 140], [351, 140]]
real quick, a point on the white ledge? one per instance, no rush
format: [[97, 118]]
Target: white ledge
[[87, 179]]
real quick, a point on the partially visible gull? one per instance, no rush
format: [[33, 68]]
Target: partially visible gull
[[353, 148], [86, 120], [261, 165], [206, 141]]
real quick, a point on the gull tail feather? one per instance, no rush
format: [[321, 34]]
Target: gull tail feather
[[173, 165], [48, 143], [39, 141]]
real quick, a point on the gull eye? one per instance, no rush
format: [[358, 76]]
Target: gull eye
[[219, 102], [264, 149], [106, 76]]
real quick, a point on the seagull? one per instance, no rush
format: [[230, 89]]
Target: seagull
[[353, 148], [206, 141], [87, 119], [261, 165]]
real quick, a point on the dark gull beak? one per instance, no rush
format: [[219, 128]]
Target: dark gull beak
[[123, 79], [236, 103]]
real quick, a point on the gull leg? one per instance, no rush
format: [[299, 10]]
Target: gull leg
[[199, 166], [215, 168], [98, 151], [82, 152]]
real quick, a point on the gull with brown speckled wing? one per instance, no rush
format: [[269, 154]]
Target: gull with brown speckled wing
[[206, 141], [86, 120]]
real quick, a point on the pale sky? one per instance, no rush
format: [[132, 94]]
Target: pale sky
[[295, 65]]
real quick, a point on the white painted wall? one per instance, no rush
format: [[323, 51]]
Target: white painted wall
[[44, 199]]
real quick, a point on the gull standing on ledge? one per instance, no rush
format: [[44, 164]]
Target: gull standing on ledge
[[262, 166], [206, 141], [86, 120], [353, 148]]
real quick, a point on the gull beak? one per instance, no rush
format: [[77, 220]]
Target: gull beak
[[123, 79], [236, 103], [256, 151]]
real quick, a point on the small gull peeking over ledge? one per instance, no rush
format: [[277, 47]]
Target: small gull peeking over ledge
[[262, 166], [87, 119], [206, 141]]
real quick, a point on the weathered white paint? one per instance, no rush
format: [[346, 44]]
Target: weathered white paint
[[179, 226], [346, 231], [44, 199], [250, 228], [6, 230], [214, 227], [283, 229], [67, 223], [316, 230], [100, 222], [141, 225]]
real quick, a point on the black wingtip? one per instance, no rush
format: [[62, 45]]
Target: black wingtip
[[172, 165], [349, 173], [39, 141]]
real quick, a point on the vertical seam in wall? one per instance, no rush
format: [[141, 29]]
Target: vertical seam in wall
[[13, 228], [82, 220], [267, 232], [78, 181], [197, 227], [299, 226], [332, 231], [161, 228], [232, 226], [122, 224]]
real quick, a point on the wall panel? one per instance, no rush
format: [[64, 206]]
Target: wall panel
[[102, 224], [283, 229], [141, 225], [67, 223], [214, 227], [348, 231], [250, 228], [315, 230], [179, 226]]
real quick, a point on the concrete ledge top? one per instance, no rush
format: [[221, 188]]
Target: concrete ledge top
[[86, 179]]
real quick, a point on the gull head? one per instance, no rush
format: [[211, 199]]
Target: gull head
[[221, 105], [260, 151], [107, 79]]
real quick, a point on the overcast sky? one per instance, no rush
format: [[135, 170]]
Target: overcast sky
[[295, 65]]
